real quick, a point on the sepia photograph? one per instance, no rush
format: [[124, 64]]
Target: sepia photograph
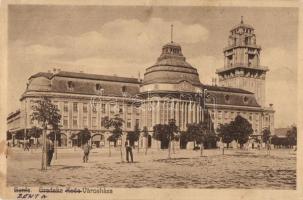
[[100, 97]]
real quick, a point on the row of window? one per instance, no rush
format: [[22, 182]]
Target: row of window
[[98, 87], [94, 125], [113, 108], [226, 115]]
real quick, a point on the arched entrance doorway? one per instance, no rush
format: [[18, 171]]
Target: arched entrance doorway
[[98, 140]]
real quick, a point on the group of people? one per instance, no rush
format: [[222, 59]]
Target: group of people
[[128, 150], [86, 150]]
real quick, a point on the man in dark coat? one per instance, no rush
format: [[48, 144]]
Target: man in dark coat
[[86, 149], [49, 150], [129, 151]]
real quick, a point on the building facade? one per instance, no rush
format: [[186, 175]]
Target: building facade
[[170, 89]]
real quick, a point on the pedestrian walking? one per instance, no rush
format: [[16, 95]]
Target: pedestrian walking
[[6, 149], [49, 150], [26, 146], [86, 149], [129, 152]]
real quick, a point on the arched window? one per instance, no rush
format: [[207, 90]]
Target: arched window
[[123, 88], [98, 86], [246, 40], [70, 85], [245, 99]]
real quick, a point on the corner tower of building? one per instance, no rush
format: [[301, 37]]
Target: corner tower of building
[[242, 67]]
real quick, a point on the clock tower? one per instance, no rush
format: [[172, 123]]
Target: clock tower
[[242, 67]]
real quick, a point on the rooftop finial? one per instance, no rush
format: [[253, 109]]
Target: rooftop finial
[[171, 33], [241, 19]]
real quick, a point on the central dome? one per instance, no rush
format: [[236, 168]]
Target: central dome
[[171, 67]]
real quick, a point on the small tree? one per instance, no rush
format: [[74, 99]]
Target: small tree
[[84, 136], [193, 130], [55, 136], [183, 139], [176, 139], [45, 113], [165, 133], [201, 137], [196, 133], [292, 136], [134, 136], [36, 133], [145, 135], [211, 138], [241, 129], [171, 133], [266, 138], [158, 133], [226, 135], [116, 123]]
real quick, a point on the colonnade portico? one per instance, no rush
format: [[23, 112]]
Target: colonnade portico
[[160, 111]]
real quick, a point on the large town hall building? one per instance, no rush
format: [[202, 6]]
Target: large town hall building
[[170, 89]]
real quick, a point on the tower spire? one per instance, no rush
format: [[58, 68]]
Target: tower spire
[[241, 19], [171, 32]]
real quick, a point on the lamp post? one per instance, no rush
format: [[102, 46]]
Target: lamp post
[[101, 112], [269, 145], [55, 144], [214, 105], [204, 97]]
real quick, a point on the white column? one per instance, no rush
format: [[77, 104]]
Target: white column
[[198, 113], [153, 113], [142, 115], [146, 114], [189, 112], [168, 107], [202, 111], [195, 113], [177, 109], [158, 112], [186, 114], [181, 115], [172, 107]]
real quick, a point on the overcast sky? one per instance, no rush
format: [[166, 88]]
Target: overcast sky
[[126, 40]]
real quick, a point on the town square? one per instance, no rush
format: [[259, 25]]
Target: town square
[[152, 97], [186, 169]]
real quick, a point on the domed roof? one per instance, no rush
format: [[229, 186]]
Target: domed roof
[[171, 67]]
